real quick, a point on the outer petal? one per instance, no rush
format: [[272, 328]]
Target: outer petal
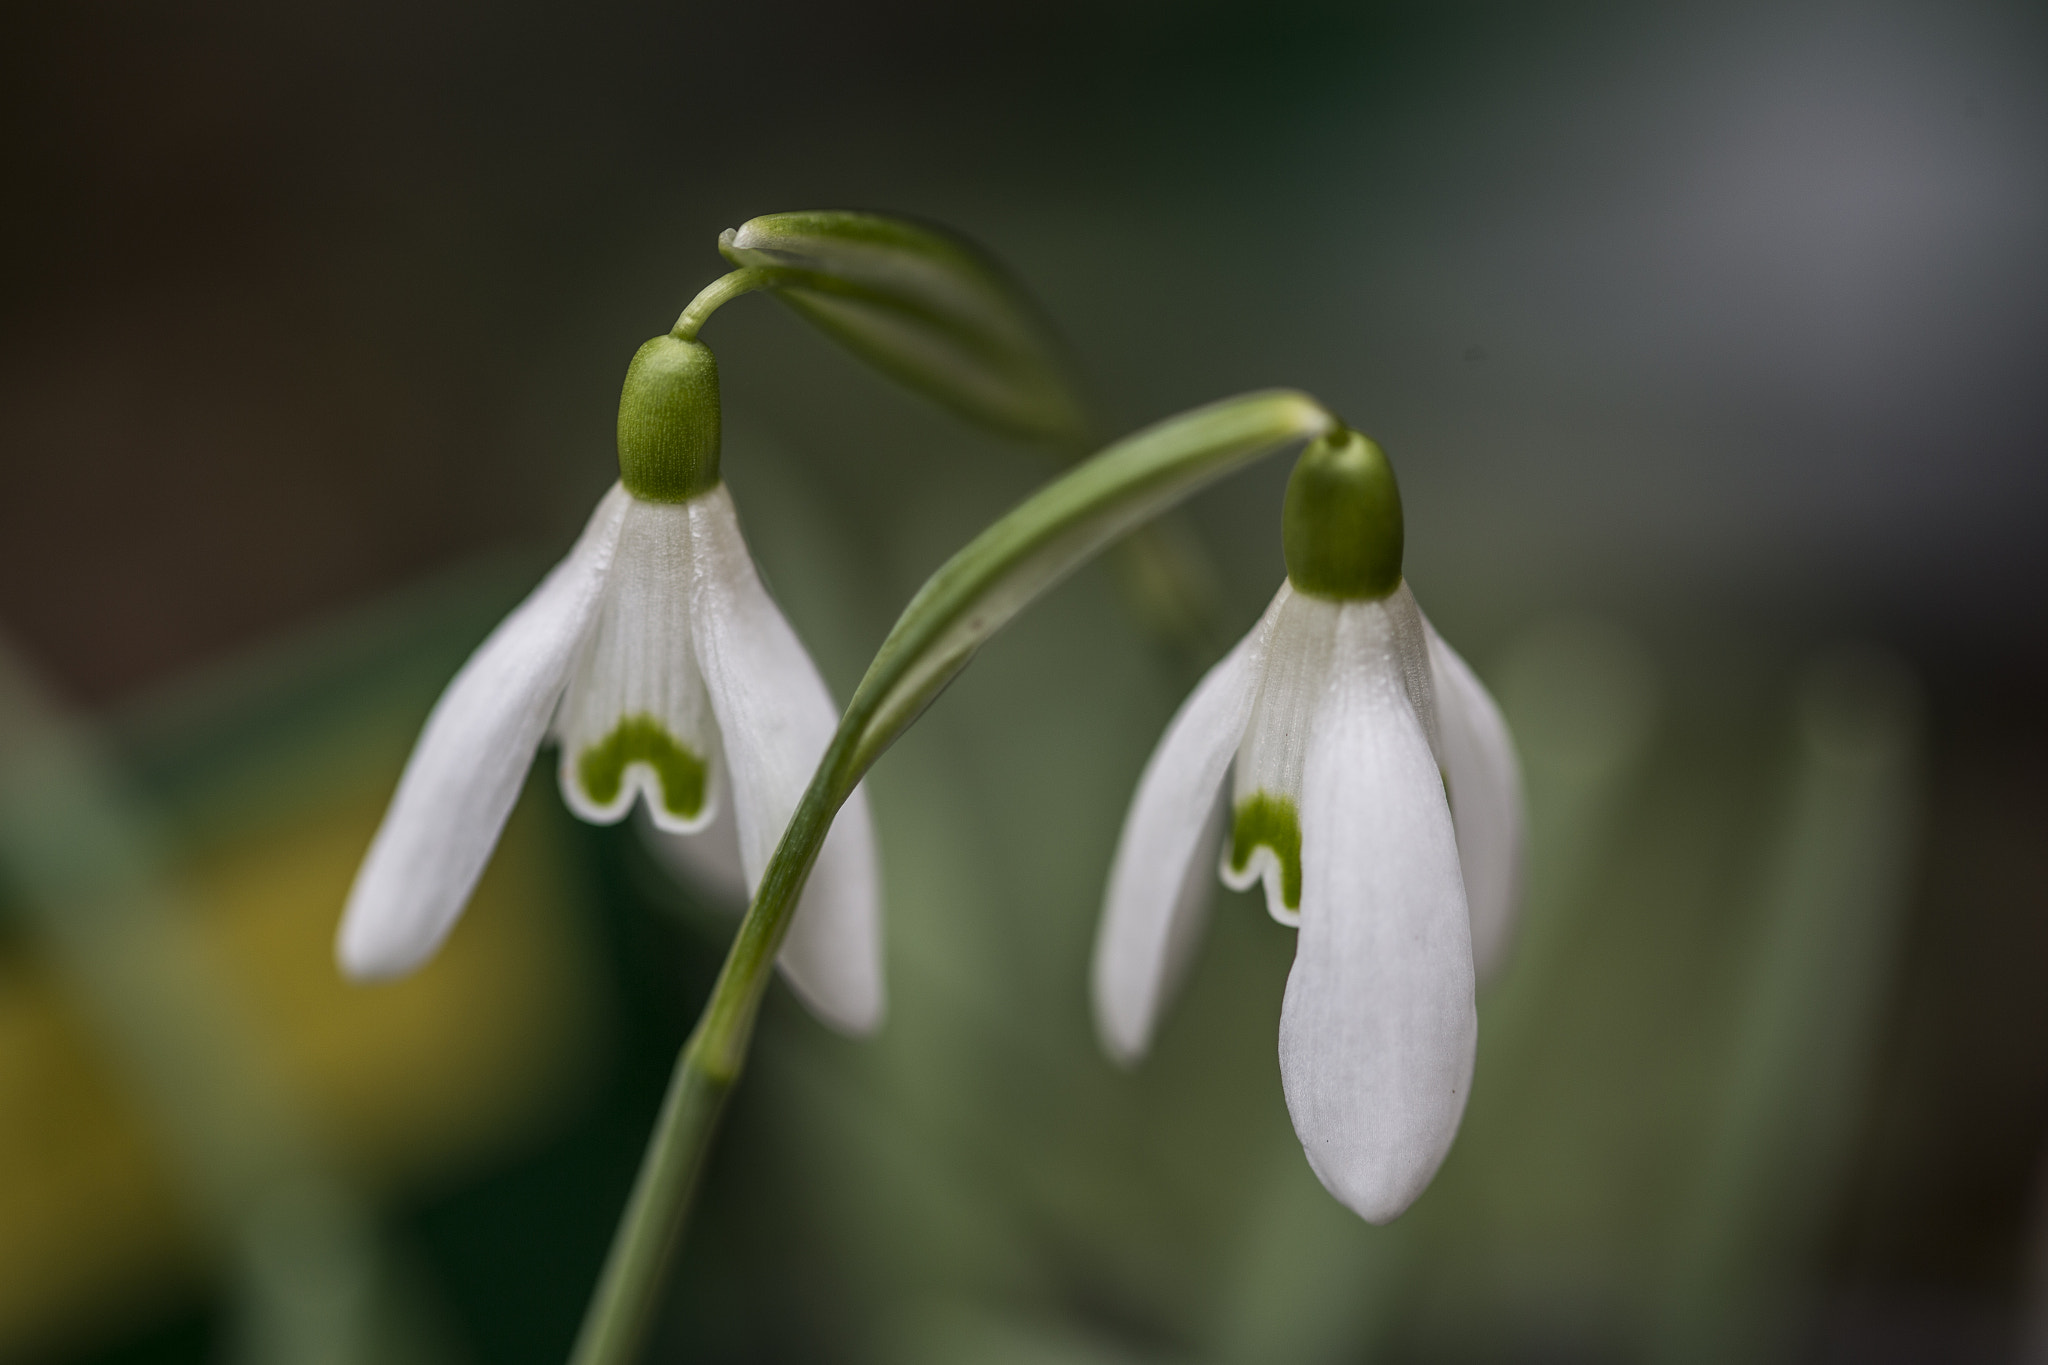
[[1159, 885], [469, 764], [1411, 652], [1378, 1028], [775, 719], [1486, 803]]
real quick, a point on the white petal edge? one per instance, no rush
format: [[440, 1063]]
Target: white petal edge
[[1378, 1029], [1160, 881], [469, 764], [1486, 804], [775, 719]]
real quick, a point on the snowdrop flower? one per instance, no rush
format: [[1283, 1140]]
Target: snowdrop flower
[[1374, 792], [659, 664]]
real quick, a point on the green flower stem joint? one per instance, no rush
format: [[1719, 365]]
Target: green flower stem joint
[[1340, 526], [669, 421]]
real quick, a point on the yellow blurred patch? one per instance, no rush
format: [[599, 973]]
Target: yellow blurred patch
[[402, 1083]]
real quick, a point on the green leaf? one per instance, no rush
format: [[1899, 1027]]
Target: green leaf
[[1045, 538], [927, 308]]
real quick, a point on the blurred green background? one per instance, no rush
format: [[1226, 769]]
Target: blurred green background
[[1708, 341]]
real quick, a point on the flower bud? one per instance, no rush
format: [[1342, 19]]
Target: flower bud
[[1340, 526], [668, 421]]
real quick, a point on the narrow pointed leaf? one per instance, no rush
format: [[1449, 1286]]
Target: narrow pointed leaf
[[1045, 538], [927, 308]]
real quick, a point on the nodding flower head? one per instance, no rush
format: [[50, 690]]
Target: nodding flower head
[[1367, 781], [655, 658]]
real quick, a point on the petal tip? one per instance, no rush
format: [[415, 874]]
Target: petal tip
[[363, 960], [1124, 1041], [1122, 1003], [852, 1019], [1376, 1206], [1125, 1053], [1380, 1188]]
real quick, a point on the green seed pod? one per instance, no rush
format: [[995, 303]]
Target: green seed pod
[[1340, 526], [668, 421]]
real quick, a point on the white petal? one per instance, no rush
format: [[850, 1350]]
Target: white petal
[[832, 958], [1411, 651], [634, 719], [469, 764], [1486, 803], [1378, 1028], [1266, 786], [1159, 885], [775, 719]]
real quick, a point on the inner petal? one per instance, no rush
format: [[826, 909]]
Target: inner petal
[[640, 747], [635, 718], [1265, 842]]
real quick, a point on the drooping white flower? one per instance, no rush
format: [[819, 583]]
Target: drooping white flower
[[656, 659], [1373, 789]]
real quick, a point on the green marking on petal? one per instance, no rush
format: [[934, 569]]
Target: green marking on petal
[[601, 769], [1263, 818]]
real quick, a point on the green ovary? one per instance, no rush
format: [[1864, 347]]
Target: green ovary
[[601, 769], [1263, 818]]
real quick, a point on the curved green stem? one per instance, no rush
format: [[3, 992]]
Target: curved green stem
[[754, 278], [972, 596], [717, 294]]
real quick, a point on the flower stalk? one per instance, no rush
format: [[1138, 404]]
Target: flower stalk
[[717, 294], [972, 596]]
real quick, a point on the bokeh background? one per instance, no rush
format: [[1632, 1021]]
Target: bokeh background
[[1709, 341]]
